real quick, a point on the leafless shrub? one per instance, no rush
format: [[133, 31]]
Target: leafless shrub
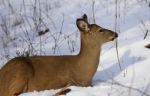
[[147, 2]]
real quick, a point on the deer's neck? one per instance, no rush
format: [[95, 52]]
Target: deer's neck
[[88, 59]]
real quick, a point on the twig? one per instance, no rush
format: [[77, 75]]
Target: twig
[[146, 34], [116, 27], [93, 10], [118, 55], [135, 89]]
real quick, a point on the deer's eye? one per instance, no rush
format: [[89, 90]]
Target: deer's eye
[[100, 30]]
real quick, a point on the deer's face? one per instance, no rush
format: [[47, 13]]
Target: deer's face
[[94, 32]]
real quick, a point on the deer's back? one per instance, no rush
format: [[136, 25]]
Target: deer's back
[[39, 72], [15, 73]]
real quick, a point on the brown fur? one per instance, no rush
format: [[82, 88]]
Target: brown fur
[[24, 74]]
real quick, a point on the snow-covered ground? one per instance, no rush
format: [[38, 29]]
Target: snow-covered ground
[[21, 20]]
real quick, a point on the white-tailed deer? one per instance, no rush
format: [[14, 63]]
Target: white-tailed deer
[[24, 74]]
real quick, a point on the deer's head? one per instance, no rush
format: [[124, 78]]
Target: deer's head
[[94, 33]]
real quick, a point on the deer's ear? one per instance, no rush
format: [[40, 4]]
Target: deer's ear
[[82, 25], [84, 17]]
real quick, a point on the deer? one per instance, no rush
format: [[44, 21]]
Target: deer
[[26, 74]]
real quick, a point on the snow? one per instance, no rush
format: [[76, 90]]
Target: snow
[[20, 24]]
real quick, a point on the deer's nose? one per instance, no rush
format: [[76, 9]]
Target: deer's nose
[[116, 35]]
